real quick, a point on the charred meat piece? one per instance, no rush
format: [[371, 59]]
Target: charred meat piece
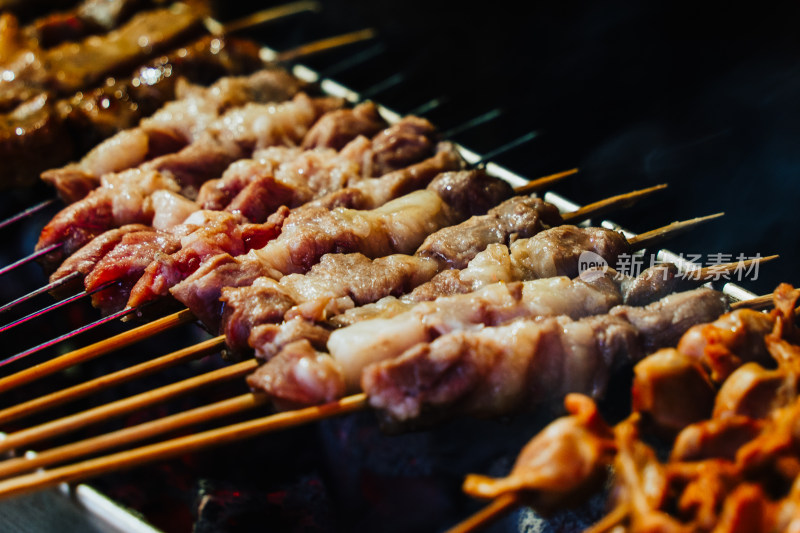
[[299, 372], [337, 282], [340, 127], [376, 340], [556, 251], [309, 233], [71, 67], [301, 176], [218, 233], [398, 226], [122, 201], [289, 180], [90, 17]]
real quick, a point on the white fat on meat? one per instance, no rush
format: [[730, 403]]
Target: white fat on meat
[[318, 372], [398, 226], [171, 209], [285, 123], [492, 265], [187, 117], [371, 341], [124, 150], [130, 192]]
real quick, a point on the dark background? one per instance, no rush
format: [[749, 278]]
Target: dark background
[[700, 95]]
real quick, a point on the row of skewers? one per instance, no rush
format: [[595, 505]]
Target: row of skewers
[[349, 255], [75, 78]]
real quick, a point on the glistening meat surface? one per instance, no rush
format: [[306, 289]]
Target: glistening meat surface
[[176, 124], [251, 126], [497, 369], [321, 240], [342, 281], [56, 131]]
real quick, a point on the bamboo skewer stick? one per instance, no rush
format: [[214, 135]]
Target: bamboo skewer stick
[[606, 205], [52, 342], [656, 236], [45, 288], [322, 45], [759, 303], [714, 271], [541, 183], [131, 435], [27, 212], [215, 27], [22, 438], [32, 257], [53, 307], [69, 394], [180, 445], [94, 350], [498, 508]]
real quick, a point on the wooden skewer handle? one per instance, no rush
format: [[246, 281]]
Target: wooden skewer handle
[[325, 44], [130, 435], [25, 437], [69, 394], [261, 17], [543, 183], [488, 515], [656, 236], [94, 350], [602, 207], [174, 447]]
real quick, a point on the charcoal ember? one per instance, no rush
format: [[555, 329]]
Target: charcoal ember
[[302, 505]]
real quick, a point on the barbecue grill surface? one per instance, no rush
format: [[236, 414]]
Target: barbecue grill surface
[[701, 96]]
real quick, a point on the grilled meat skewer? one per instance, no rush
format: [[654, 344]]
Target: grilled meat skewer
[[72, 67], [236, 133], [553, 252], [312, 175], [369, 341], [342, 281], [455, 365], [397, 226], [62, 130], [176, 125], [293, 177], [90, 17]]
